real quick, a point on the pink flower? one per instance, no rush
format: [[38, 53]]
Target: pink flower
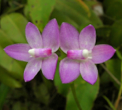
[[82, 54], [39, 52]]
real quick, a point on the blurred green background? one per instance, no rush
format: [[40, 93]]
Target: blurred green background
[[42, 94]]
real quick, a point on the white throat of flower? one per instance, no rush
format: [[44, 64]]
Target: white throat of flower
[[87, 54], [32, 52]]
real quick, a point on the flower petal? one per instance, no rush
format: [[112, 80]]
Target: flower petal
[[33, 36], [89, 71], [68, 37], [87, 37], [50, 35], [32, 68], [18, 51], [49, 66], [69, 70], [102, 53]]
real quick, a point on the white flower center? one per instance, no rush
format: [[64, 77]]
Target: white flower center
[[87, 54], [32, 52]]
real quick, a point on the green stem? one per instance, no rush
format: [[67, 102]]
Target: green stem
[[74, 95], [120, 91], [115, 79]]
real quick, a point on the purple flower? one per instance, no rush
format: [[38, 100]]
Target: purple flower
[[39, 52], [82, 54]]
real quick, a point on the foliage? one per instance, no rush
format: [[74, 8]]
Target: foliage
[[40, 93]]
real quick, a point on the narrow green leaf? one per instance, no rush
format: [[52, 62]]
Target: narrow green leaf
[[86, 94], [3, 93], [109, 102]]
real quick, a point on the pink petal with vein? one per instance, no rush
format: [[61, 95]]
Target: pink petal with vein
[[50, 35], [69, 70], [32, 68], [18, 51], [33, 36], [49, 66], [89, 71], [102, 53], [87, 37], [68, 37]]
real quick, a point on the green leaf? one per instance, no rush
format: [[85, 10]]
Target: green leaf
[[7, 38], [4, 39], [109, 102], [107, 3], [39, 11], [103, 35], [73, 10], [86, 94], [59, 15], [94, 20], [74, 13], [14, 26], [62, 88], [114, 9], [3, 93], [103, 31], [11, 65], [116, 33], [6, 79]]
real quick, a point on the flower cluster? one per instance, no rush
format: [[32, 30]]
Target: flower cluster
[[82, 54]]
